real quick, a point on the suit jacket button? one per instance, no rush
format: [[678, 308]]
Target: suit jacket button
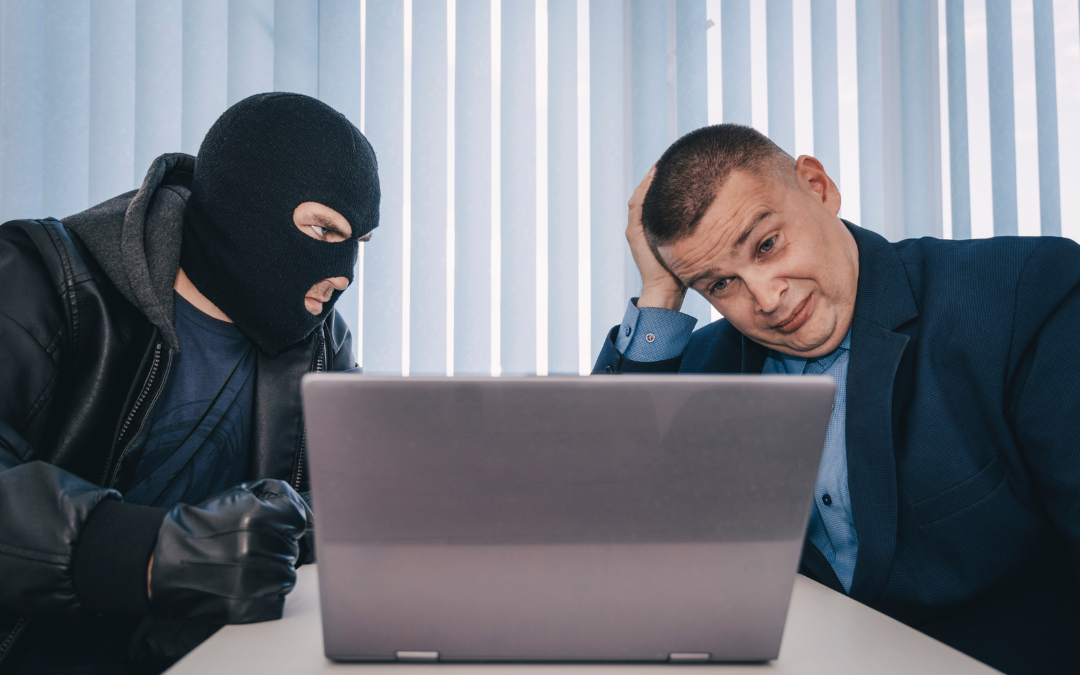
[[608, 370]]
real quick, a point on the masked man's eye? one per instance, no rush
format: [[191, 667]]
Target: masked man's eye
[[321, 231]]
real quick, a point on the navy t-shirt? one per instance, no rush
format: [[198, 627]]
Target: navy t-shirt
[[195, 445]]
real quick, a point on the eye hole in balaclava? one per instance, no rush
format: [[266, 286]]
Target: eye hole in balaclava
[[263, 157]]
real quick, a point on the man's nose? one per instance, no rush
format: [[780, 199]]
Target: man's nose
[[767, 291], [340, 283]]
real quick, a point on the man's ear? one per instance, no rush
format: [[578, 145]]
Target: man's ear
[[812, 177]]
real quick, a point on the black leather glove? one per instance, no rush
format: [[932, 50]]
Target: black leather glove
[[307, 542], [230, 559]]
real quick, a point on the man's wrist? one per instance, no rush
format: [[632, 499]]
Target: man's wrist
[[662, 298]]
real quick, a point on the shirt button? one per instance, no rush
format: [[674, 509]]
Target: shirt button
[[826, 499], [650, 337], [608, 370], [628, 331]]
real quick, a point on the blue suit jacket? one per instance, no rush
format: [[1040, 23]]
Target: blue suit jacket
[[963, 440]]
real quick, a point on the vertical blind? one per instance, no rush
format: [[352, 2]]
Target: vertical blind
[[510, 133]]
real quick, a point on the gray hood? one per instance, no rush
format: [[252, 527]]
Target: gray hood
[[136, 238]]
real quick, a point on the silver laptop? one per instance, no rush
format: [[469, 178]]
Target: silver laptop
[[629, 518]]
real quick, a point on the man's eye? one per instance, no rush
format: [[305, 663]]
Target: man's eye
[[321, 231], [720, 285], [767, 245]]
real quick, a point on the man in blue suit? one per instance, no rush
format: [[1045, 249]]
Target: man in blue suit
[[948, 494]]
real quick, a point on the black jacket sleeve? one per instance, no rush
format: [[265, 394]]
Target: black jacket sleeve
[[59, 552], [42, 512]]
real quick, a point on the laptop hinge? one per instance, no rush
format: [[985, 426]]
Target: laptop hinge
[[417, 656], [688, 657]]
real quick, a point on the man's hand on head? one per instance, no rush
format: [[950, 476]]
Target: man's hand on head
[[659, 287]]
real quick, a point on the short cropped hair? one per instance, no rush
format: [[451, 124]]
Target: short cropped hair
[[691, 172]]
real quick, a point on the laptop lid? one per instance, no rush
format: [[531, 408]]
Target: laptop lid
[[600, 518]]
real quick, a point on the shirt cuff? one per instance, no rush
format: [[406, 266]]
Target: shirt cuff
[[652, 333]]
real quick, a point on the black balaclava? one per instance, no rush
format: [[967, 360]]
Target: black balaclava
[[263, 157]]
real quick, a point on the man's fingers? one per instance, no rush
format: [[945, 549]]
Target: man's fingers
[[638, 198]]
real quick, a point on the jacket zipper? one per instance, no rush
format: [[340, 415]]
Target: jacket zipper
[[320, 365], [5, 646], [147, 386]]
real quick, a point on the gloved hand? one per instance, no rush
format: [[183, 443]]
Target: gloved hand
[[230, 559]]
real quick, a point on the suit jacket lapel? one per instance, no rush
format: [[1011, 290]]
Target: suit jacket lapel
[[753, 356], [884, 303]]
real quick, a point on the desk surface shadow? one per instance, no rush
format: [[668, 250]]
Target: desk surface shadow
[[826, 633]]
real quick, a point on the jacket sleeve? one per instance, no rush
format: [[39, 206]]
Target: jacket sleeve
[[42, 510], [1045, 406], [52, 533]]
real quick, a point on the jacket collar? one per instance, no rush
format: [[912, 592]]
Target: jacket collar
[[884, 295], [884, 302]]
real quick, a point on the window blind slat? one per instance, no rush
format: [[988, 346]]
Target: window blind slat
[[781, 69], [22, 105], [608, 177], [848, 111], [158, 81], [339, 69], [66, 161], [871, 131], [1067, 72], [205, 83], [999, 54], [562, 188], [959, 180], [296, 46], [472, 186], [978, 121], [826, 91], [428, 305], [648, 84], [652, 97], [1047, 110], [112, 98], [920, 149], [251, 48], [384, 120], [804, 78], [735, 45], [692, 90], [518, 182]]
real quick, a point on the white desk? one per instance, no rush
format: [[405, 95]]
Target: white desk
[[826, 633]]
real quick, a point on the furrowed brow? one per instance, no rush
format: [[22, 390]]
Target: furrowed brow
[[325, 223], [698, 277], [746, 233]]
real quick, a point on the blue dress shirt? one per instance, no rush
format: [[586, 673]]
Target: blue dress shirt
[[654, 334]]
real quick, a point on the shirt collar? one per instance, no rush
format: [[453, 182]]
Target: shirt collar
[[796, 364]]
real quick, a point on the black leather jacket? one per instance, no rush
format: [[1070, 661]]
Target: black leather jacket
[[80, 370]]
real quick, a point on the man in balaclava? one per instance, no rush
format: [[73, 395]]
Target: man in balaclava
[[152, 465]]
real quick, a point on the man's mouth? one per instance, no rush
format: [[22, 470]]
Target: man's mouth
[[797, 318]]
